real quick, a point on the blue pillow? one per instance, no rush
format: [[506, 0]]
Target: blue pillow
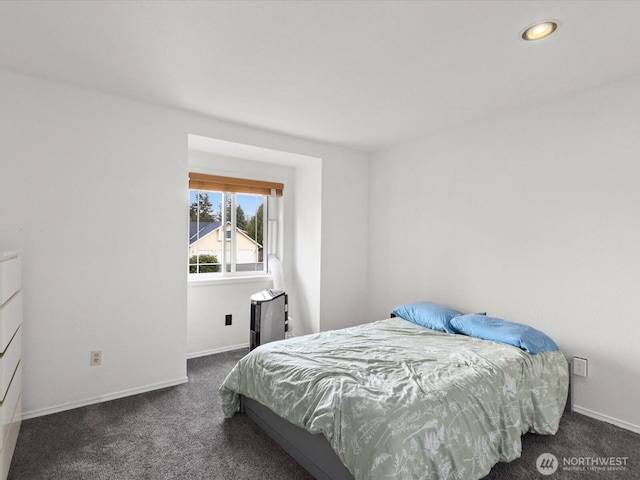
[[427, 314], [517, 334]]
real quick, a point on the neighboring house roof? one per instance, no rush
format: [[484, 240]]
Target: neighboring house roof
[[197, 230]]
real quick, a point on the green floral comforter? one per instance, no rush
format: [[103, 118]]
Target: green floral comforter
[[396, 400]]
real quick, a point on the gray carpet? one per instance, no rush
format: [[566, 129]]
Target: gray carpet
[[179, 433]]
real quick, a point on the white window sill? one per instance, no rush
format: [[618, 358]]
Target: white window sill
[[204, 282]]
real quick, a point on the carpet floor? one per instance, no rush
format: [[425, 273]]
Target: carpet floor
[[180, 433]]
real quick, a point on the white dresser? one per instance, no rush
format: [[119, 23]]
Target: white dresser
[[10, 354]]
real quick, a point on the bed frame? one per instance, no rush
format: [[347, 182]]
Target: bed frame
[[311, 451]]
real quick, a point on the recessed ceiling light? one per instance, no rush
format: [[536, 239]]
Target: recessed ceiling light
[[540, 30]]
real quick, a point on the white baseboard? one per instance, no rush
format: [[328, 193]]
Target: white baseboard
[[606, 418], [217, 350], [102, 398], [126, 393]]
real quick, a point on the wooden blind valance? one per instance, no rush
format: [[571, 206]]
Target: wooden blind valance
[[202, 181]]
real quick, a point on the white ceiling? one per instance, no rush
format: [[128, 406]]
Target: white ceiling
[[362, 74]]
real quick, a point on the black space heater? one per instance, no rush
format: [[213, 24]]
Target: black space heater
[[269, 320]]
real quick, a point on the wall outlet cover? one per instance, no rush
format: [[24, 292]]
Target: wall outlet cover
[[96, 358], [580, 366]]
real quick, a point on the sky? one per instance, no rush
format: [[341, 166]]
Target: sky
[[248, 202]]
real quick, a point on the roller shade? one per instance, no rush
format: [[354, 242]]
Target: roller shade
[[202, 181]]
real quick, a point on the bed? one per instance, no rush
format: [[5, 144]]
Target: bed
[[392, 399]]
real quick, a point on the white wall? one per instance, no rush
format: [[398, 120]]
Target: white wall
[[345, 241], [84, 177], [207, 305], [307, 238], [532, 216]]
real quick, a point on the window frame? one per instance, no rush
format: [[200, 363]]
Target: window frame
[[224, 276]]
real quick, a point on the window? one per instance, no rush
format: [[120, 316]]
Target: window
[[228, 225]]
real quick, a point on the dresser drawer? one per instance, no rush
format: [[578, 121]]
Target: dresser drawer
[[10, 444], [10, 320], [9, 361], [10, 275], [10, 408]]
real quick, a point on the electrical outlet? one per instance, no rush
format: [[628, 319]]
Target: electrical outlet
[[580, 366], [96, 358], [227, 319]]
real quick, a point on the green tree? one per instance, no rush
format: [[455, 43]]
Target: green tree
[[204, 261], [202, 209], [255, 226], [241, 218]]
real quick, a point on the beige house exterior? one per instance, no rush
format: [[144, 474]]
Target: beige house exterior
[[206, 239]]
